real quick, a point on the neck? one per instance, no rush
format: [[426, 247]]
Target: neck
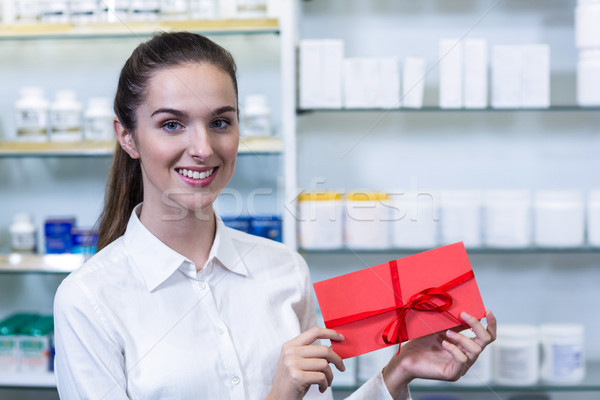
[[191, 234]]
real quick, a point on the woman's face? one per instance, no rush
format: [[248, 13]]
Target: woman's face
[[187, 137]]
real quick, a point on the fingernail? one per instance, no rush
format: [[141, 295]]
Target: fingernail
[[464, 315], [342, 336], [450, 333], [445, 343], [490, 314]]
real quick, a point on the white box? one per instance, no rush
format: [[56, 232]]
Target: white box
[[389, 83], [508, 218], [475, 73], [414, 218], [367, 221], [361, 82], [413, 82], [559, 218], [320, 73], [593, 218], [535, 76], [587, 25], [460, 217], [9, 353], [506, 76], [451, 73]]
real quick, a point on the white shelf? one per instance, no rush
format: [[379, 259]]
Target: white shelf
[[27, 380], [136, 28], [37, 263], [247, 146]]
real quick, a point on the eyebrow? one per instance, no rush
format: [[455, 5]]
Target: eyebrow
[[181, 114]]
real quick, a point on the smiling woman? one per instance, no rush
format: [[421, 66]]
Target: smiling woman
[[177, 305]]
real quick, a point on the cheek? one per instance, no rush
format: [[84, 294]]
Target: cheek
[[230, 149]]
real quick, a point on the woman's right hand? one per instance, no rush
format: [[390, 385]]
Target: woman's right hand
[[302, 364]]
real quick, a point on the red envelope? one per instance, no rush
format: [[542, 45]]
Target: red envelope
[[399, 300]]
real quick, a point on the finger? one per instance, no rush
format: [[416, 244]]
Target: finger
[[317, 378], [316, 365], [324, 352], [311, 335], [467, 345], [459, 357], [491, 324], [482, 336]]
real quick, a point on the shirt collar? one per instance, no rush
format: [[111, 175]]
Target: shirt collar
[[227, 250], [157, 261]]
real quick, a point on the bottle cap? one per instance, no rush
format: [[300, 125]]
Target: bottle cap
[[66, 95], [31, 91], [22, 217]]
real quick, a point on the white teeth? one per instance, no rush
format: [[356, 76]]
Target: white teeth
[[196, 174]]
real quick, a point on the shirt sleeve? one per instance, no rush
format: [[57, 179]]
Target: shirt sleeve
[[375, 389], [88, 362]]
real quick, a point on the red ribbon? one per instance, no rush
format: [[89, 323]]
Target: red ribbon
[[433, 299]]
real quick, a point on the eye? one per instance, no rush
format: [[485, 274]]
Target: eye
[[220, 124], [172, 126]]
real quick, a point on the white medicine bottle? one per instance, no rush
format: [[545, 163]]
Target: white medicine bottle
[[251, 8], [65, 117], [256, 119], [99, 118], [22, 233], [31, 114]]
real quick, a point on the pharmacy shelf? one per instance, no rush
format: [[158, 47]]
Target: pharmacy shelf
[[136, 28], [247, 146], [57, 149], [38, 263], [591, 383], [27, 380], [470, 250], [429, 109]]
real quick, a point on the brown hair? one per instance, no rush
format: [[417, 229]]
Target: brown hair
[[124, 189]]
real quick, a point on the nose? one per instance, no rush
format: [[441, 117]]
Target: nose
[[200, 146]]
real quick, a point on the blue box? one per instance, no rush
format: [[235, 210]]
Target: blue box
[[268, 226], [240, 223], [84, 241], [57, 232]]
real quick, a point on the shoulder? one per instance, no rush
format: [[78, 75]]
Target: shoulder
[[267, 252], [105, 267]]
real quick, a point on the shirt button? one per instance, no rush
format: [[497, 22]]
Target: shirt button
[[201, 285], [219, 330], [235, 380]]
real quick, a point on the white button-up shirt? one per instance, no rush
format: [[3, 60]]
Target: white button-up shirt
[[138, 322]]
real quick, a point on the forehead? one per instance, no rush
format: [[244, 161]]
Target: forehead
[[190, 85]]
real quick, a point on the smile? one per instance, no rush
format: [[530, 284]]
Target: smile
[[195, 174]]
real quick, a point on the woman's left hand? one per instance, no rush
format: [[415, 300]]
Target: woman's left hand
[[442, 356]]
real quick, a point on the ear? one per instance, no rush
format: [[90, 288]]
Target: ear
[[125, 139]]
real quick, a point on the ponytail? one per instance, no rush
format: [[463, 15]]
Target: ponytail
[[124, 191]]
